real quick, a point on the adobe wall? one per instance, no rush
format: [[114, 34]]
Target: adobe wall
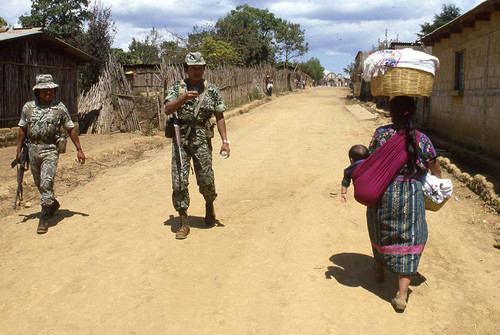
[[471, 117]]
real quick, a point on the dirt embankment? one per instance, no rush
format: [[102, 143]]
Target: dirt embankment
[[102, 152]]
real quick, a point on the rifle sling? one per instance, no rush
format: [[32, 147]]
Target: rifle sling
[[197, 110]]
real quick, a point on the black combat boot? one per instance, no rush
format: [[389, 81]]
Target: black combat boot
[[210, 219], [43, 224], [55, 206], [183, 231]]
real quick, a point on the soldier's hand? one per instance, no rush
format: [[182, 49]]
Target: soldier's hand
[[343, 197], [81, 156], [190, 95], [225, 147]]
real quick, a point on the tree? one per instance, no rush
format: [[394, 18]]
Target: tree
[[350, 70], [218, 52], [60, 18], [251, 32], [291, 41], [121, 56], [448, 13], [3, 23], [96, 41], [313, 68], [199, 34], [148, 50], [172, 52]]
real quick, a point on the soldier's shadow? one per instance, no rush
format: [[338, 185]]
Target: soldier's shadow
[[60, 215], [194, 222]]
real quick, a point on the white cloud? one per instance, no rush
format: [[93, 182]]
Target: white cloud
[[335, 29]]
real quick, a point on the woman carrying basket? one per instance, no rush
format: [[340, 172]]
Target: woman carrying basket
[[396, 223]]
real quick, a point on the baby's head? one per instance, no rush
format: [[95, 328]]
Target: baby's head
[[358, 152]]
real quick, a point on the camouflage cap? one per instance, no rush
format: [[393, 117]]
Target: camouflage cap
[[194, 58], [44, 81]]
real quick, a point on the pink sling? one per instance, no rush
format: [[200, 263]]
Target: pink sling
[[372, 176]]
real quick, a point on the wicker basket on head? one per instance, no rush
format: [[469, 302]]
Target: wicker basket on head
[[402, 81]]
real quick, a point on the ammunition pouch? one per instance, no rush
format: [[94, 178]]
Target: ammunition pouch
[[61, 144], [209, 128]]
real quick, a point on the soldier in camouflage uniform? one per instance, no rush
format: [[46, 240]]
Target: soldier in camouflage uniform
[[183, 97], [41, 121]]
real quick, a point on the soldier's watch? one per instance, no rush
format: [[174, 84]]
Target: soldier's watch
[[225, 141], [78, 149]]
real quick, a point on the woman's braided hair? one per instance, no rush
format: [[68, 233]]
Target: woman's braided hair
[[403, 115]]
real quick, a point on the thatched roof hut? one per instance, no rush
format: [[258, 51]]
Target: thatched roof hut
[[27, 52]]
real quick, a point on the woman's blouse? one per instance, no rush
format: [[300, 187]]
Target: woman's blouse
[[425, 150]]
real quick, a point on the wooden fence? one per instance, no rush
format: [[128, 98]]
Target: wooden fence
[[238, 86]]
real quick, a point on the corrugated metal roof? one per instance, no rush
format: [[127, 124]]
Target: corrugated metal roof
[[10, 34], [18, 32]]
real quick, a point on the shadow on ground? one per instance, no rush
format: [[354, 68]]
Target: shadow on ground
[[60, 215], [356, 270], [194, 222]]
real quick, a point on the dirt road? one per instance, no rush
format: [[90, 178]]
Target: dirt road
[[288, 259]]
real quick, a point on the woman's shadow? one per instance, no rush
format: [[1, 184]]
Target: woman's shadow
[[356, 270]]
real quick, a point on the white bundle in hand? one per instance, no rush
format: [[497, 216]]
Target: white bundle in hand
[[437, 189]]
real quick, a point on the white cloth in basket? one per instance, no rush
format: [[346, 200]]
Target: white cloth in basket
[[382, 60], [437, 189]]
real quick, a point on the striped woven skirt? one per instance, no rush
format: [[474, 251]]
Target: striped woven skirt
[[397, 227]]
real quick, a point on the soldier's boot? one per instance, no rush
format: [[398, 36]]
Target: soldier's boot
[[183, 231], [210, 219], [55, 206], [43, 224]]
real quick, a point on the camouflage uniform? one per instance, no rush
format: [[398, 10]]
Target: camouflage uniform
[[43, 125], [197, 147]]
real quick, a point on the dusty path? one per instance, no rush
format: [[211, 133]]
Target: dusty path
[[290, 258]]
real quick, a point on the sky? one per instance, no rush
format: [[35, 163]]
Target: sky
[[335, 29]]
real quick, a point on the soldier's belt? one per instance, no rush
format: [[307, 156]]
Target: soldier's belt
[[42, 141], [198, 124]]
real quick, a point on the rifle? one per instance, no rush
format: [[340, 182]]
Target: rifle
[[178, 140], [22, 166]]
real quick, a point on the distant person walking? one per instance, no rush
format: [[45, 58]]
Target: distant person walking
[[269, 85], [41, 121]]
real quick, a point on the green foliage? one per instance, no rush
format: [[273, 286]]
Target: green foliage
[[291, 41], [350, 69], [254, 94], [313, 68], [199, 34], [251, 32], [173, 52], [60, 18], [448, 13], [3, 23], [121, 56], [218, 52], [96, 41], [146, 51]]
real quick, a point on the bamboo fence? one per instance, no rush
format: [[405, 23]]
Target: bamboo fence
[[109, 105]]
